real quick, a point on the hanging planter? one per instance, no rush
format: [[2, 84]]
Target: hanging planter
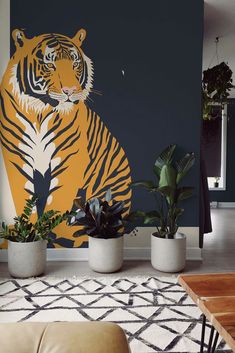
[[216, 87]]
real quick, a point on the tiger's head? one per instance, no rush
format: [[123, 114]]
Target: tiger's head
[[51, 70]]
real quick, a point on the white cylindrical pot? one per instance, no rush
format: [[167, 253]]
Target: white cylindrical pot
[[105, 255], [168, 255], [27, 259]]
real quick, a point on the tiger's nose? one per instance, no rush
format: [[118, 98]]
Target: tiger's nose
[[69, 90]]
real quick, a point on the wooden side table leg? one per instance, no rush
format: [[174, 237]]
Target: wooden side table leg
[[211, 339], [203, 333]]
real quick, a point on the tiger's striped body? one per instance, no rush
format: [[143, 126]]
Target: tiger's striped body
[[54, 145]]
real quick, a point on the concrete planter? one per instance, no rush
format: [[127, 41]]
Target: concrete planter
[[168, 255], [27, 259], [105, 255]]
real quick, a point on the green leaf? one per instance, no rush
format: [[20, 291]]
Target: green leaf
[[150, 220], [78, 203], [166, 191], [178, 212], [184, 193], [184, 165], [108, 196], [148, 184], [154, 213], [165, 157], [167, 177]]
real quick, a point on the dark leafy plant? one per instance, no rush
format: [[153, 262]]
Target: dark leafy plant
[[24, 231], [100, 218], [167, 191], [216, 87]]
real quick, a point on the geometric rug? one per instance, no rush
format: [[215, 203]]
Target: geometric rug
[[155, 312]]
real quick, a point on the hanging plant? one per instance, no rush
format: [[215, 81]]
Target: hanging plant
[[216, 87]]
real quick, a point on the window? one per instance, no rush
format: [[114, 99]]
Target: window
[[215, 153]]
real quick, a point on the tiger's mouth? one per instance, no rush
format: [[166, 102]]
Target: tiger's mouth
[[59, 98]]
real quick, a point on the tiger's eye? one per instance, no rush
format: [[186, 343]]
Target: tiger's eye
[[75, 65]]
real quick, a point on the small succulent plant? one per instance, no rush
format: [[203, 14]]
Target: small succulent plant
[[100, 218], [24, 230]]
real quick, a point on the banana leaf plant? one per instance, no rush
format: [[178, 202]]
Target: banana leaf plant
[[100, 218], [24, 230], [167, 191]]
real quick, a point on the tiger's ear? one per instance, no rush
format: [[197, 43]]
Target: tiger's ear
[[18, 37], [79, 37]]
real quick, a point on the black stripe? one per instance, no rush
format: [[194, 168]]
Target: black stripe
[[16, 153], [116, 172], [46, 117], [22, 116], [109, 186], [14, 146], [92, 134], [120, 163], [62, 163], [23, 172], [29, 191], [14, 134], [65, 142], [12, 123], [96, 146], [71, 143], [19, 79], [90, 125], [59, 172], [105, 153], [62, 131], [54, 189], [52, 129]]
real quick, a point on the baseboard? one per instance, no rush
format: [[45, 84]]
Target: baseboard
[[217, 204], [82, 254], [226, 204]]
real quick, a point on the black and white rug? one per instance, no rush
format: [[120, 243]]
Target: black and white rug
[[155, 313]]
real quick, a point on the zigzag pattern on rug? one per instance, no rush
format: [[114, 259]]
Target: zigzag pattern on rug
[[155, 312]]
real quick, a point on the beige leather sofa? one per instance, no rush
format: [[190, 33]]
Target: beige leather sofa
[[62, 337]]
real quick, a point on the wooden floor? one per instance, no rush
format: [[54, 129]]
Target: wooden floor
[[218, 254]]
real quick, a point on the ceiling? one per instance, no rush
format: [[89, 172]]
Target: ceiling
[[219, 21]]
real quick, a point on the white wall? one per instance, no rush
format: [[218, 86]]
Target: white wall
[[7, 209], [4, 34]]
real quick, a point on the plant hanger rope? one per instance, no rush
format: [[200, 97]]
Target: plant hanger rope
[[216, 54]]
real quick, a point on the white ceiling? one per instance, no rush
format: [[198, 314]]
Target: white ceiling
[[219, 21]]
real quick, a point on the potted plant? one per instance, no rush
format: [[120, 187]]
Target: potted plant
[[168, 247], [216, 87], [27, 240], [103, 222], [216, 182]]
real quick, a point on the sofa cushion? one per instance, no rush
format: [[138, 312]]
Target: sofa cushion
[[62, 337]]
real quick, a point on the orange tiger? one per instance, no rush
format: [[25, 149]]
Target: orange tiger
[[53, 144]]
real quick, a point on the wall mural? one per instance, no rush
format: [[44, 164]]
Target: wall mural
[[53, 144]]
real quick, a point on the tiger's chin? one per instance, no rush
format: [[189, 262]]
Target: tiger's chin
[[65, 107], [62, 106]]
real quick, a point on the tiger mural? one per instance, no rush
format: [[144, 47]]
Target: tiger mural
[[53, 144]]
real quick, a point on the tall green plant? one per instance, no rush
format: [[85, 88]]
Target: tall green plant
[[167, 191], [23, 230]]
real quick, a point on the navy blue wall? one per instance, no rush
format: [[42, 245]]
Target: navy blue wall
[[157, 102], [229, 194]]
